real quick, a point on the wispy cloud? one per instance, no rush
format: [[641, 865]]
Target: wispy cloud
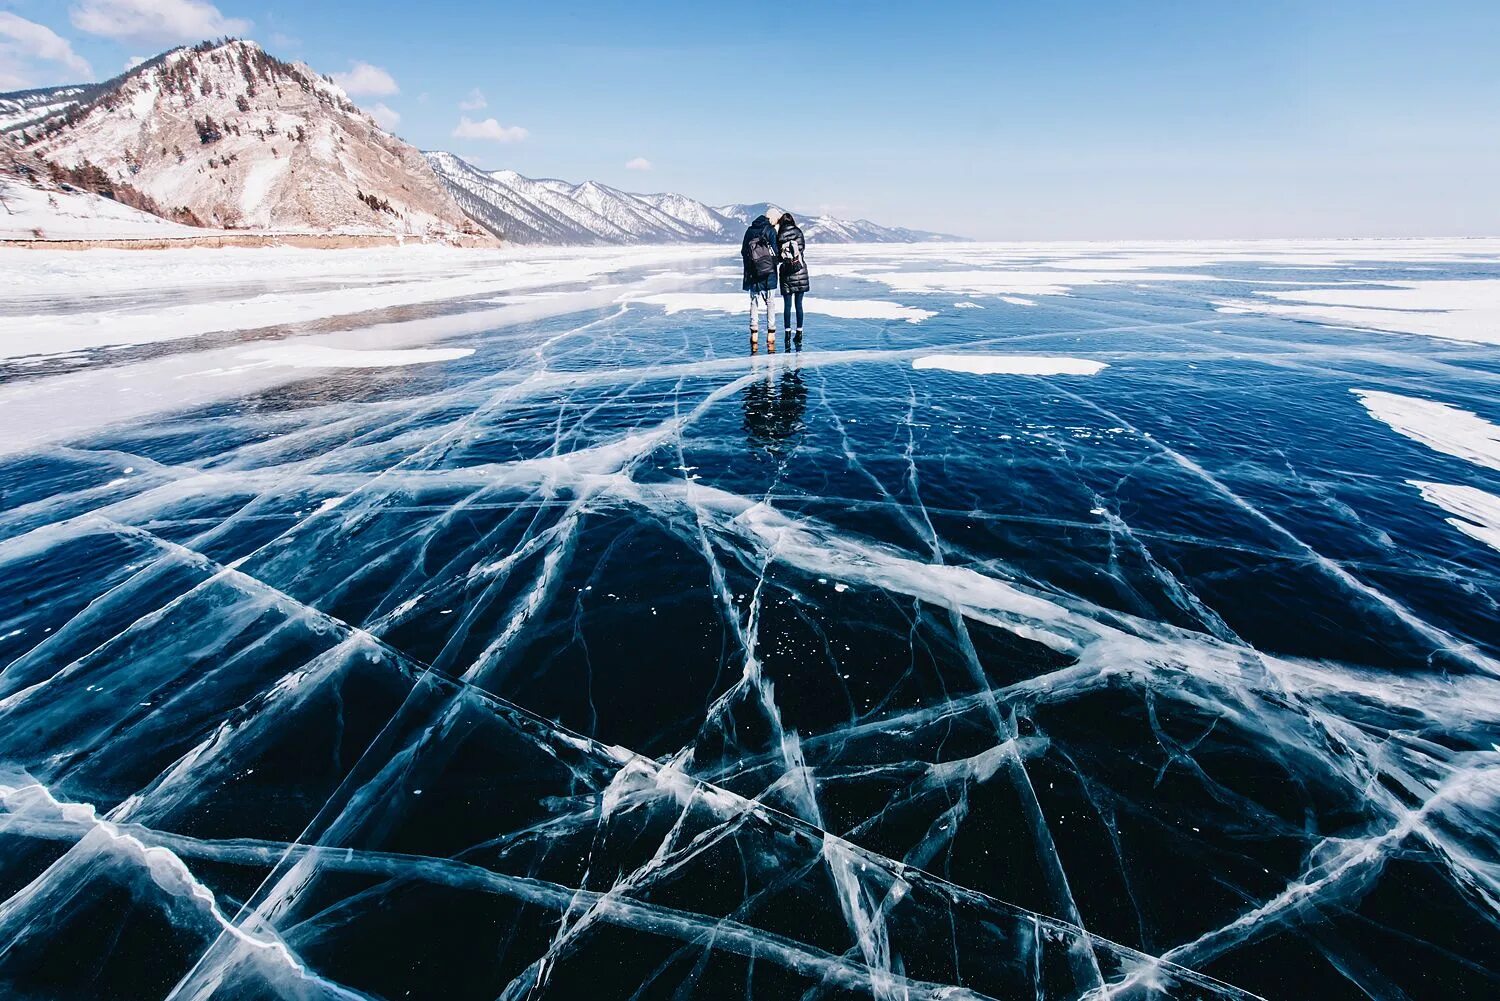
[[639, 163], [385, 117], [488, 129], [365, 79], [155, 22], [23, 41], [474, 102]]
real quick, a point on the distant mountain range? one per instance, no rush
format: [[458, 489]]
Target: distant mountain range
[[225, 136], [547, 211]]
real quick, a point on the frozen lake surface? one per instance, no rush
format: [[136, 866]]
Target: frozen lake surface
[[1059, 622]]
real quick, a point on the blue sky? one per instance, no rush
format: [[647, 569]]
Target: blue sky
[[997, 120]]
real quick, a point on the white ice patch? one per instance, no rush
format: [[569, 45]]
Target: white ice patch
[[983, 364], [1013, 281], [1455, 432], [1441, 427], [108, 305], [735, 303], [1455, 310], [967, 305], [1476, 512], [319, 356], [1016, 300]]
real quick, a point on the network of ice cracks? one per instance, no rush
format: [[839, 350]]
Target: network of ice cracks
[[300, 711]]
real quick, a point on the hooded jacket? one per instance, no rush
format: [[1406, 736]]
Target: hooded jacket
[[794, 277], [763, 276]]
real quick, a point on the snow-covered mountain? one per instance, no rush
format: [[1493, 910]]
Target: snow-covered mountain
[[827, 229], [525, 210], [225, 135], [25, 108]]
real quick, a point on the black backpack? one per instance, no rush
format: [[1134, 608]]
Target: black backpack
[[762, 256]]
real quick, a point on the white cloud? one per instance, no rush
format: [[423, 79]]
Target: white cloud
[[385, 117], [155, 21], [363, 78], [488, 129], [474, 102], [24, 42], [639, 163], [133, 62]]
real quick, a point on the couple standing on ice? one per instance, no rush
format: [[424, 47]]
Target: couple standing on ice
[[772, 250]]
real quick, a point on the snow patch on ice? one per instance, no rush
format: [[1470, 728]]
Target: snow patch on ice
[[1476, 512], [321, 356], [303, 286], [998, 281], [1439, 426], [985, 364], [1452, 309], [738, 302]]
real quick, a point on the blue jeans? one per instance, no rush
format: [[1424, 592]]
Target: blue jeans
[[786, 310], [760, 298]]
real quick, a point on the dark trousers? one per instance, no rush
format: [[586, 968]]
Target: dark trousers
[[786, 310]]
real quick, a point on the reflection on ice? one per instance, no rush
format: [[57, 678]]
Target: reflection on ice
[[594, 657]]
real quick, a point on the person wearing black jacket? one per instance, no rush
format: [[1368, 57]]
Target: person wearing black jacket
[[794, 279], [760, 251]]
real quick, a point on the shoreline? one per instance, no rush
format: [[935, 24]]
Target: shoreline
[[305, 241]]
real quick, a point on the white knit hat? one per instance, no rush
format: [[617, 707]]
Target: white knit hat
[[774, 214]]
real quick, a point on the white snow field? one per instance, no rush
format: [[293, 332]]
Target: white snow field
[[28, 213], [421, 622]]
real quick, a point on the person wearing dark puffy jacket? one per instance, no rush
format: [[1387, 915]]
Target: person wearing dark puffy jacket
[[794, 279], [761, 253]]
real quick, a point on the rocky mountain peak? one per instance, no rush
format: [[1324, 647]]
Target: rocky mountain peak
[[227, 135]]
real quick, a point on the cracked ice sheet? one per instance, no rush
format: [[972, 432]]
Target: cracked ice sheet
[[611, 659]]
